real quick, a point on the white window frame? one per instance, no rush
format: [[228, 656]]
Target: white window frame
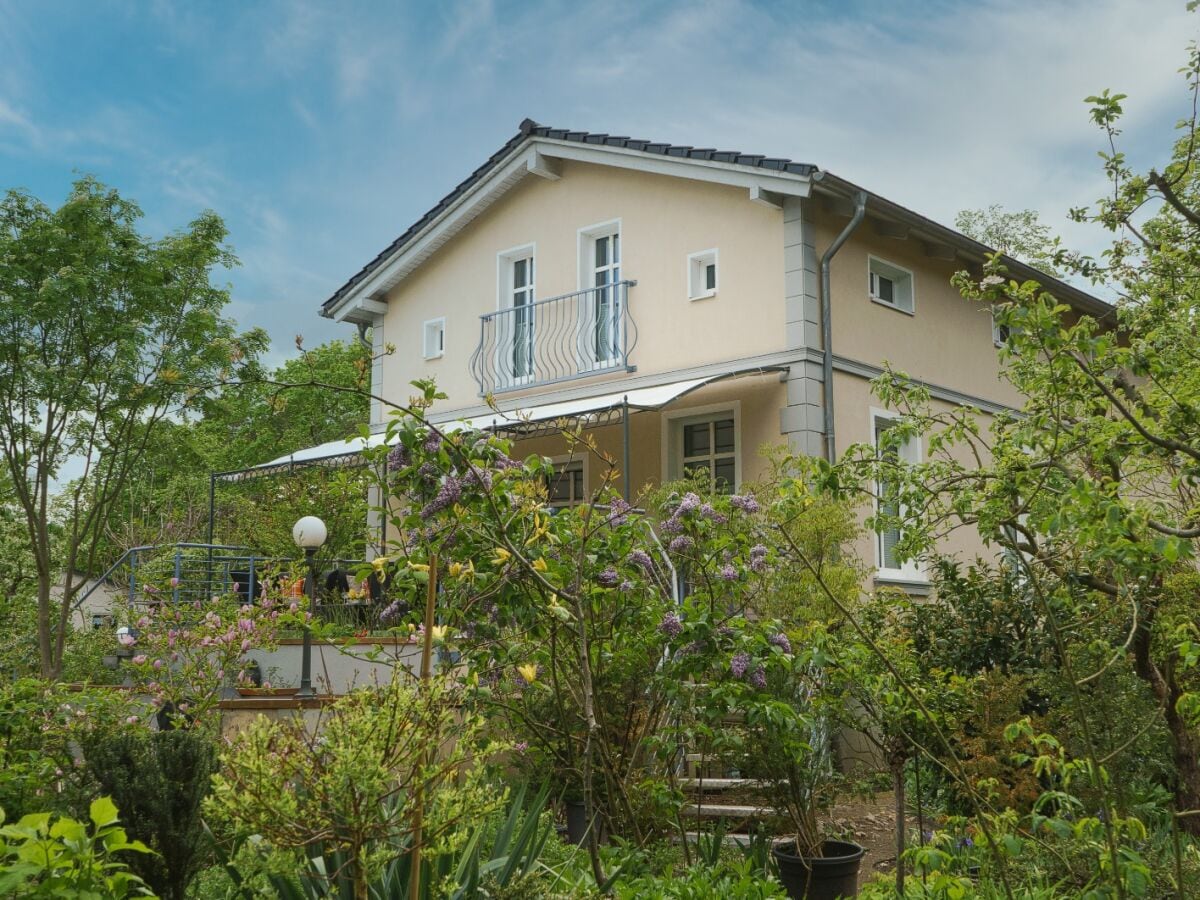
[[697, 265], [561, 462], [913, 570], [506, 325], [585, 349], [435, 352], [874, 262], [998, 339], [672, 436]]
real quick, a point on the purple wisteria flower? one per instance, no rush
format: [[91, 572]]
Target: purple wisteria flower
[[759, 678], [687, 503], [504, 462], [729, 572], [433, 442], [744, 502], [641, 558], [672, 525], [447, 496], [480, 477], [739, 664], [608, 577], [780, 640], [692, 649], [390, 612], [710, 512], [397, 458], [626, 586], [758, 558], [671, 625], [681, 544], [618, 512]]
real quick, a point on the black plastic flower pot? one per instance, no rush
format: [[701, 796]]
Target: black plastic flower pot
[[577, 823], [831, 875]]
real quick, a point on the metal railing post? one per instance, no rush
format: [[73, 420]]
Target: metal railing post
[[178, 575]]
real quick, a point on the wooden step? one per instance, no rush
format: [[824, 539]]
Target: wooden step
[[726, 811], [718, 784]]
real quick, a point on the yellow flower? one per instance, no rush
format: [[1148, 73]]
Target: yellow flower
[[439, 633], [528, 672], [502, 556], [418, 567], [454, 569], [380, 563], [539, 565]]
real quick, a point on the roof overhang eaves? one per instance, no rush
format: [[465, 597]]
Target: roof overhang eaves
[[523, 155], [968, 248]]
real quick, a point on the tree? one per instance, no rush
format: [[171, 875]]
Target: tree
[[315, 397], [1021, 235], [104, 334], [1094, 488]]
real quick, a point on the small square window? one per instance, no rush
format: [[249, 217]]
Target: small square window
[[702, 275], [434, 342], [890, 285]]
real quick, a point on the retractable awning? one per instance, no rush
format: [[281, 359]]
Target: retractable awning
[[520, 421]]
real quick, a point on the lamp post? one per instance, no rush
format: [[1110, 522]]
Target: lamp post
[[309, 533]]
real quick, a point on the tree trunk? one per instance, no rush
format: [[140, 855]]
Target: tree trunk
[[898, 788], [1184, 745]]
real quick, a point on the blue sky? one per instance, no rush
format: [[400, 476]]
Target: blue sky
[[321, 130]]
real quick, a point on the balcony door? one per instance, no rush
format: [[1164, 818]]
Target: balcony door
[[516, 333], [601, 341]]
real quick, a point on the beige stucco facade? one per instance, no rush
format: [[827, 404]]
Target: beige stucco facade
[[662, 221], [751, 351]]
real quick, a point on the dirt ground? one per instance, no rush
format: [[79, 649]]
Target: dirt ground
[[870, 822]]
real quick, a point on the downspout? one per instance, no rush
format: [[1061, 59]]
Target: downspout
[[362, 336], [860, 208]]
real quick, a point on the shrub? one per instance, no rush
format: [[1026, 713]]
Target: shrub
[[160, 780], [66, 858]]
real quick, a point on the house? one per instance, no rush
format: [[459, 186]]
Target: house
[[687, 305]]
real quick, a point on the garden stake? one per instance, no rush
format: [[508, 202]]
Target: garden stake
[[414, 878]]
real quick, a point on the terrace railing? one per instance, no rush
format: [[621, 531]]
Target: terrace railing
[[558, 339]]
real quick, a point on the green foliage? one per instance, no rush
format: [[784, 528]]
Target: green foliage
[[498, 856], [44, 857], [41, 726], [315, 397], [350, 785], [732, 880], [159, 780], [106, 332], [1020, 235]]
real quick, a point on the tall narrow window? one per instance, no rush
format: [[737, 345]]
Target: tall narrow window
[[606, 274], [522, 313], [600, 338], [888, 504], [516, 322]]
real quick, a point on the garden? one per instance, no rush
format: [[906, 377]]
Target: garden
[[689, 696]]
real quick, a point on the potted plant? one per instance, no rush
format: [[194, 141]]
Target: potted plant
[[253, 683], [789, 727]]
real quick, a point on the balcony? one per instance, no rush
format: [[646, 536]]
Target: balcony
[[571, 336]]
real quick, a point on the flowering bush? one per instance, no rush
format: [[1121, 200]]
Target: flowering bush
[[185, 653]]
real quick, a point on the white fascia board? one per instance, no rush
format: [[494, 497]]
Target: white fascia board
[[710, 170], [453, 219]]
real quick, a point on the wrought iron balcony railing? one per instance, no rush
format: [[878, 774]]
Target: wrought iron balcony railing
[[565, 337]]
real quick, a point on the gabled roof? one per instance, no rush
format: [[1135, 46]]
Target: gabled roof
[[521, 154], [530, 129]]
